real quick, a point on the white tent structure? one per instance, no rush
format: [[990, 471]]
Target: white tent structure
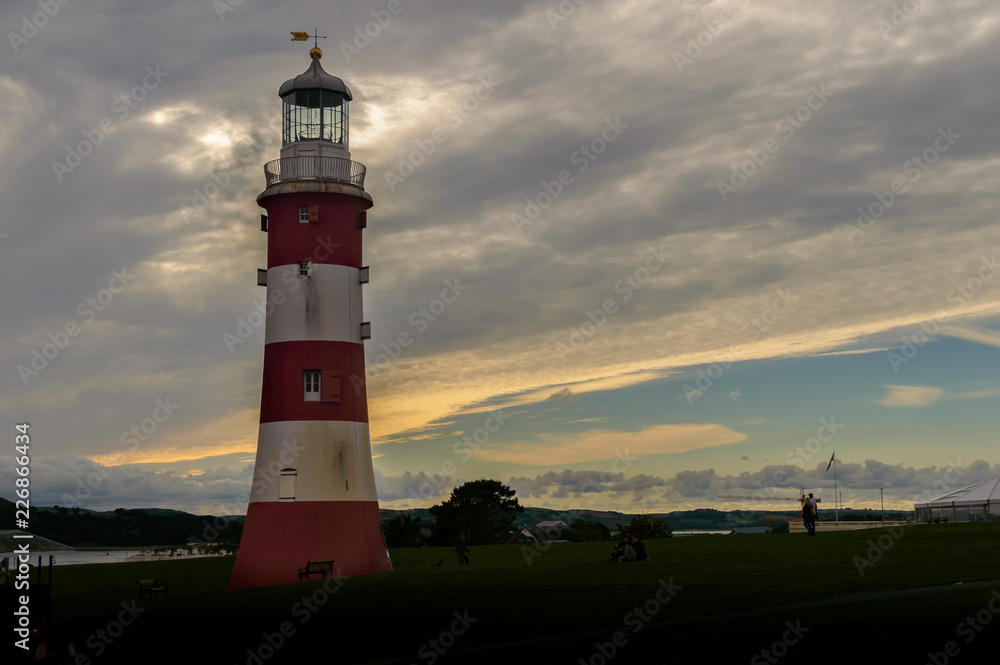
[[974, 503]]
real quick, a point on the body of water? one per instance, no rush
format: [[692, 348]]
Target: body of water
[[73, 557], [701, 533]]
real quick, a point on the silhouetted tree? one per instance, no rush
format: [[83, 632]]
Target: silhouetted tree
[[586, 531], [646, 526], [403, 531], [484, 509]]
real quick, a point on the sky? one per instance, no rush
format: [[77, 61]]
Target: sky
[[640, 254]]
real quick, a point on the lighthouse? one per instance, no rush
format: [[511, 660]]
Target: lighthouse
[[313, 494]]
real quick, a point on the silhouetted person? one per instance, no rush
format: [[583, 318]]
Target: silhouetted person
[[809, 515], [460, 549]]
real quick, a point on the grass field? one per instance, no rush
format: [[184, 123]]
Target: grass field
[[721, 599]]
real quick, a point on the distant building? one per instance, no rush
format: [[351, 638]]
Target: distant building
[[975, 503], [551, 530], [10, 540], [751, 529]]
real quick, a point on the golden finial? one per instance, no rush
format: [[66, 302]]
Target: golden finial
[[315, 52]]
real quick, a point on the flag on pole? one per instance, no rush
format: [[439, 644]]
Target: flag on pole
[[831, 460]]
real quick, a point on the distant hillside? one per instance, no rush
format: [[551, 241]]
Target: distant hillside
[[707, 519], [126, 527]]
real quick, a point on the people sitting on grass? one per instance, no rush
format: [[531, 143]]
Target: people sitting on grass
[[638, 550], [618, 551], [631, 548]]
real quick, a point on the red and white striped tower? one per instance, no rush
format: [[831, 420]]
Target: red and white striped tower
[[313, 495]]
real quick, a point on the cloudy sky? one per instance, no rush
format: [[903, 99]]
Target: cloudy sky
[[689, 248]]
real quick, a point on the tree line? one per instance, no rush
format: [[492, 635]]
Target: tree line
[[485, 510]]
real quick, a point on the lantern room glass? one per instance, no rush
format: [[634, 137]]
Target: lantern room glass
[[314, 115]]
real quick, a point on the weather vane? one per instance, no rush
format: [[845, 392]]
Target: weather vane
[[303, 36]]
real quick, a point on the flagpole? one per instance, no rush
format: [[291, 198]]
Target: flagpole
[[836, 501]]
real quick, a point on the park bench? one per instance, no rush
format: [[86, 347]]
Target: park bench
[[152, 587], [324, 568]]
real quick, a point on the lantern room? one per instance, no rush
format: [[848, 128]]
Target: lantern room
[[314, 113]]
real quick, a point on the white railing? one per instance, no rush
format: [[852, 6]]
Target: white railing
[[337, 169]]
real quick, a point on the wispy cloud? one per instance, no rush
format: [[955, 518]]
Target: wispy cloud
[[603, 444], [911, 395], [977, 334], [918, 396]]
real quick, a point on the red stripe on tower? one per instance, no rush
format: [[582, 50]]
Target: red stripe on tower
[[313, 495]]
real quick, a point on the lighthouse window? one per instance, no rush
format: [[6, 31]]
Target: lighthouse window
[[312, 385], [308, 214], [311, 115], [305, 269], [286, 484]]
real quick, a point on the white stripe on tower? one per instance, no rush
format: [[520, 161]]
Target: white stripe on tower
[[332, 458], [327, 306]]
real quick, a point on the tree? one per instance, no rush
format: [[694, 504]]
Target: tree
[[484, 509], [582, 531], [403, 531], [646, 526]]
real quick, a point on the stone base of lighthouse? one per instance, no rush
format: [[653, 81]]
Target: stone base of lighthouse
[[279, 538]]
